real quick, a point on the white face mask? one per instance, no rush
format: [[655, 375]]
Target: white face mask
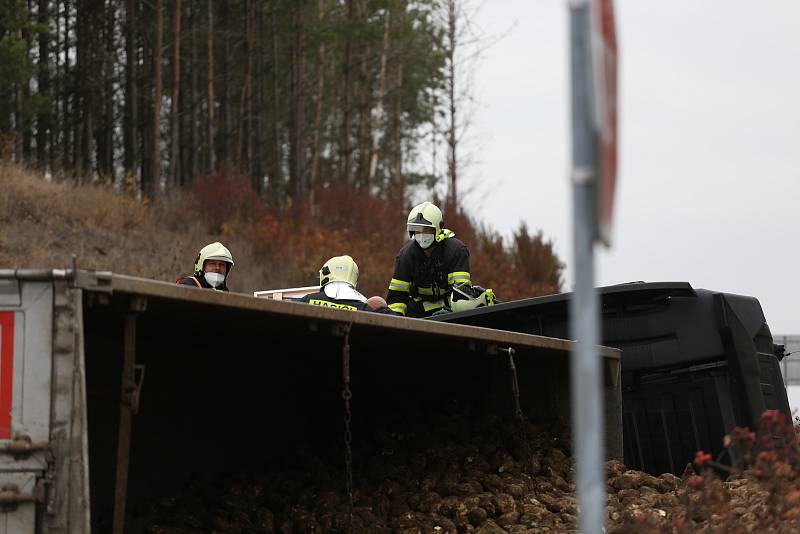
[[215, 279], [424, 240]]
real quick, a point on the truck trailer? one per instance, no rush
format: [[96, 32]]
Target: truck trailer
[[116, 390]]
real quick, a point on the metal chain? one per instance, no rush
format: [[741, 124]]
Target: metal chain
[[348, 417], [521, 416]]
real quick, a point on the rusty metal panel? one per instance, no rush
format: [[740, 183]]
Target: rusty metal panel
[[67, 504], [79, 489], [19, 518]]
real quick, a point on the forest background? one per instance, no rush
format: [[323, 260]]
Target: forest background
[[293, 130]]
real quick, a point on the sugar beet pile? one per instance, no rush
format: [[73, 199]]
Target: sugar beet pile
[[454, 472]]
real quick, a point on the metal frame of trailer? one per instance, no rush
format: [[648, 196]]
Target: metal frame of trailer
[[109, 379]]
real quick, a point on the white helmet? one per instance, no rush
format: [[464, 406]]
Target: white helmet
[[425, 215], [213, 251], [339, 269]]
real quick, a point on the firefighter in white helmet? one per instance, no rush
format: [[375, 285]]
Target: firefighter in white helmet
[[211, 268], [428, 266], [338, 280]]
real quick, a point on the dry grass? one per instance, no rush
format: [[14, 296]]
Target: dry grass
[[42, 224]]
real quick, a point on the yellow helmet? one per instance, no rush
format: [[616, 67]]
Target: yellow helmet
[[339, 269], [425, 215], [213, 251]]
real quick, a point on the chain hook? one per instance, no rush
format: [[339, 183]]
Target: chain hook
[[519, 413], [347, 394]]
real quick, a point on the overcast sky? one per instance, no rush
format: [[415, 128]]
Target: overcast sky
[[709, 176]]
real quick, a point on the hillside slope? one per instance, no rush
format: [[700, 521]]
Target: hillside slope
[[42, 224]]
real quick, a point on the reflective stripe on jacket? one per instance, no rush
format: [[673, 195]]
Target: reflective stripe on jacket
[[321, 299], [421, 284]]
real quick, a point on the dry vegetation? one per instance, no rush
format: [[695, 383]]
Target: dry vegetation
[[42, 224]]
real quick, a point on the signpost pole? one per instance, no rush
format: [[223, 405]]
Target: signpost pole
[[585, 366]]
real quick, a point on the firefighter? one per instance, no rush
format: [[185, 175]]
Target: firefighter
[[211, 268], [338, 279], [428, 266]]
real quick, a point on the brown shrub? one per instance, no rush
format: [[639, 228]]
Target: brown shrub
[[223, 199]]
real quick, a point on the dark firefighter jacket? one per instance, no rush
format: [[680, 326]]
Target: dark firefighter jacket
[[198, 280], [421, 283], [321, 299]]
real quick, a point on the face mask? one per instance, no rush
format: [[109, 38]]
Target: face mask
[[424, 240], [215, 279]]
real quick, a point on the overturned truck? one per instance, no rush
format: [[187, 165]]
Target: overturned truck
[[695, 363], [119, 393]]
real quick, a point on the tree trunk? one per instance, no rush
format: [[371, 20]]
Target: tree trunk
[[277, 177], [77, 92], [66, 128], [318, 98], [155, 139], [376, 128], [43, 126], [185, 112], [452, 141], [27, 137], [251, 90], [210, 89], [131, 138], [363, 136], [194, 121], [398, 183], [19, 101], [297, 146], [55, 104], [224, 104], [144, 88], [345, 156], [258, 109], [85, 128], [242, 143], [434, 135], [175, 153], [105, 135]]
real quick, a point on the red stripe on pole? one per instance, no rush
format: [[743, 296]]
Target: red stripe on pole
[[6, 372], [605, 63]]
